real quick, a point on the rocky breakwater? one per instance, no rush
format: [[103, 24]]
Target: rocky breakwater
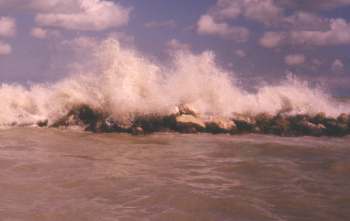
[[187, 120]]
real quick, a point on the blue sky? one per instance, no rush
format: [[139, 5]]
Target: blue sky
[[260, 40]]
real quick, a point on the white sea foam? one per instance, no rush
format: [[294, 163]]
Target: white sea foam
[[124, 83]]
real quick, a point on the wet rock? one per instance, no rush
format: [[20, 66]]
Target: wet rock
[[155, 123], [109, 125], [344, 119], [189, 124], [319, 118], [244, 123], [42, 123], [280, 125], [263, 123], [137, 131], [82, 116], [335, 128], [298, 125], [309, 128], [220, 125]]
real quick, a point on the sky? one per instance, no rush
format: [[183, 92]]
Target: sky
[[258, 40]]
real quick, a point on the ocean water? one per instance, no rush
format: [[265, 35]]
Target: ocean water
[[67, 175]]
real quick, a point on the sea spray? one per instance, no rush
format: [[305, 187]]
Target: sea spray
[[124, 85]]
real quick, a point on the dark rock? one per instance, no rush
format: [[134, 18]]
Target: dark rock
[[280, 125], [155, 123], [82, 116], [319, 118], [43, 123], [298, 125], [344, 118], [220, 125], [244, 123], [335, 128], [109, 125], [263, 122], [137, 131], [309, 128]]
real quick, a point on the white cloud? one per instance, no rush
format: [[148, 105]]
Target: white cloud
[[174, 44], [264, 11], [161, 24], [313, 5], [5, 48], [301, 20], [39, 33], [7, 27], [337, 65], [337, 33], [208, 26], [272, 39], [294, 59], [84, 15], [227, 9]]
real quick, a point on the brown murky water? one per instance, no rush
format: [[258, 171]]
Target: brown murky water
[[53, 175]]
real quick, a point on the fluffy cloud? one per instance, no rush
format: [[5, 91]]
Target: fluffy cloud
[[271, 39], [264, 11], [294, 59], [161, 24], [5, 48], [174, 44], [313, 5], [7, 27], [84, 15], [301, 20], [88, 15], [208, 26], [337, 33], [39, 33]]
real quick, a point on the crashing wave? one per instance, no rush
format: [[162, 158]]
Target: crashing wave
[[126, 87]]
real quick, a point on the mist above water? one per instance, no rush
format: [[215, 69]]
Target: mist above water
[[124, 83]]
